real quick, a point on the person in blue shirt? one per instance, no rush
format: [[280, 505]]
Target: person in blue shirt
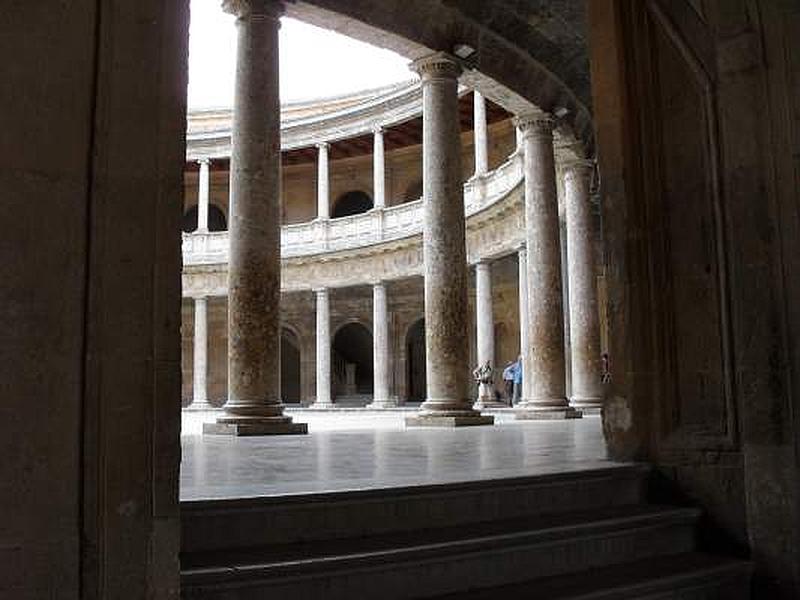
[[517, 381], [508, 379], [512, 375]]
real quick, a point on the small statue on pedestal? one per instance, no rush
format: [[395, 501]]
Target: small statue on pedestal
[[484, 377]]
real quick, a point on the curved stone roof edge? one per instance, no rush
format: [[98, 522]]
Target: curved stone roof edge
[[397, 104]]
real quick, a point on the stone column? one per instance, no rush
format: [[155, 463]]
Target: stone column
[[323, 182], [583, 317], [380, 348], [522, 276], [544, 373], [200, 367], [484, 320], [323, 398], [254, 404], [444, 250], [203, 187], [378, 170], [480, 134]]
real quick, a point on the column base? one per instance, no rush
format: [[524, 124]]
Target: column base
[[254, 428], [546, 414], [200, 407], [586, 403], [381, 404], [449, 422], [321, 405], [482, 403]]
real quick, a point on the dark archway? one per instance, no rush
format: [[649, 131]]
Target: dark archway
[[352, 350], [351, 203], [290, 367], [415, 362], [216, 219]]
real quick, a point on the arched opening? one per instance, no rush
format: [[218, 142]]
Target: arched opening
[[351, 362], [351, 203], [415, 362], [290, 367], [413, 191], [216, 219]]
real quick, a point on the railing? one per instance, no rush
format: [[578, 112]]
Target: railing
[[364, 229]]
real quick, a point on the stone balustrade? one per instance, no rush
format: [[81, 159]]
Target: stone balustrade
[[373, 227]]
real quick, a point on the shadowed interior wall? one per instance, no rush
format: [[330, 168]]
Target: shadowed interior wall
[[94, 118], [702, 299]]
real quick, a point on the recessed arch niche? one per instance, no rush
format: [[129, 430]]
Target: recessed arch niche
[[350, 203]]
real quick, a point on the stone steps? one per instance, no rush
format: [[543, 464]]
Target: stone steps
[[534, 537], [444, 563], [689, 576], [250, 522]]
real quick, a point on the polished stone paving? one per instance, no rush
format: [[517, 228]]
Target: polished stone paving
[[368, 450]]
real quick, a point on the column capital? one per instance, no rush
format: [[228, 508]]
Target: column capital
[[378, 129], [204, 161], [439, 65], [537, 123], [320, 290], [521, 248], [579, 167], [246, 9], [322, 145], [378, 283], [483, 263]]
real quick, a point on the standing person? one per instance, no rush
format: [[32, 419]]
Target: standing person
[[508, 379], [517, 381]]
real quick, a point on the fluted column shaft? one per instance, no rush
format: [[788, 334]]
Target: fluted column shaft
[[583, 316], [323, 182], [480, 134], [378, 170], [203, 191], [254, 396], [323, 347], [544, 374], [200, 357], [380, 348], [483, 313]]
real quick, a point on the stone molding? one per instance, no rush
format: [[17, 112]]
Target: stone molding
[[386, 108], [258, 9], [538, 124], [321, 236], [494, 231], [439, 65]]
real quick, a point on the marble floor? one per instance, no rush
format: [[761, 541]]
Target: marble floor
[[372, 449]]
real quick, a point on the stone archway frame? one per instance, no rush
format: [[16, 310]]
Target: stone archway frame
[[126, 283]]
